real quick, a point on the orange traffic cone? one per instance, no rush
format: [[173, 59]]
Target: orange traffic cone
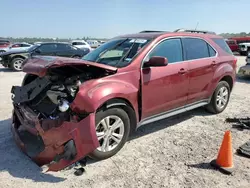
[[224, 161]]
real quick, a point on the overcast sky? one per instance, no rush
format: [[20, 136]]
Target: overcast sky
[[108, 18]]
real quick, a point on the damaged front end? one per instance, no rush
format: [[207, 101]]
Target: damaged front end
[[44, 125]]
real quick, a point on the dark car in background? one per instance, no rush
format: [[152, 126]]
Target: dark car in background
[[15, 59]]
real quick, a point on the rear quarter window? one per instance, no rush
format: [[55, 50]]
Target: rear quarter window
[[223, 45]]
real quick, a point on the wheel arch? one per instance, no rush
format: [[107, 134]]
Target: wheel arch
[[229, 80], [17, 56], [126, 106]]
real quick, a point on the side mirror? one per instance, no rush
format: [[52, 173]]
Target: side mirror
[[37, 51], [156, 61]]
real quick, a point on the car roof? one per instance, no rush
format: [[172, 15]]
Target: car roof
[[152, 35]]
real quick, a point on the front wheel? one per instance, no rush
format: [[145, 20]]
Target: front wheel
[[16, 64], [220, 98], [112, 130]]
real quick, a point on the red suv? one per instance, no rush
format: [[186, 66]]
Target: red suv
[[68, 108]]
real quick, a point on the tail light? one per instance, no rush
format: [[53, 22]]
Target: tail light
[[235, 63]]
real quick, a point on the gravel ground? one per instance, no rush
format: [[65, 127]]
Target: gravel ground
[[170, 153]]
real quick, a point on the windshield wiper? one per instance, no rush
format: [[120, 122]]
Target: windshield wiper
[[125, 55]]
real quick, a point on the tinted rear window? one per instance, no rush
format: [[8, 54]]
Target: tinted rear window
[[195, 48], [223, 45]]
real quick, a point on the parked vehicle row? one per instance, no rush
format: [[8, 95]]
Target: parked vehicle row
[[71, 108], [240, 43], [15, 58]]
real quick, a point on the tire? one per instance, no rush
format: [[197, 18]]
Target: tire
[[2, 51], [16, 64], [76, 57], [98, 154], [214, 105]]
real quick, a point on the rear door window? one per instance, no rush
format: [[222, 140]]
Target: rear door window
[[223, 45], [196, 48], [48, 48]]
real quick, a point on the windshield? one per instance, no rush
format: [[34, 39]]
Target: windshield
[[117, 52]]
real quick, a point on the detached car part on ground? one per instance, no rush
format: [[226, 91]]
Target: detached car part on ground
[[14, 59], [244, 71], [68, 108]]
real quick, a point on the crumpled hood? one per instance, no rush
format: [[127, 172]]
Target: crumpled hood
[[39, 65]]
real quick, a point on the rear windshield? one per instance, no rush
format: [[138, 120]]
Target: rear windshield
[[224, 46]]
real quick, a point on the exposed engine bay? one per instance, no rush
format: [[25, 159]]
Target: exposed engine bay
[[49, 97]]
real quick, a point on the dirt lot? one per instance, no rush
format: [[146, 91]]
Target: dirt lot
[[171, 153]]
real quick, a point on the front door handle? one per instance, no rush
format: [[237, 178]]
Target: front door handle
[[182, 71], [213, 63]]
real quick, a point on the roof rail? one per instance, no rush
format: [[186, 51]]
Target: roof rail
[[151, 31], [195, 31]]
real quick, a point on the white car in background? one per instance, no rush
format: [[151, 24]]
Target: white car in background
[[81, 44], [244, 48], [93, 43], [16, 46]]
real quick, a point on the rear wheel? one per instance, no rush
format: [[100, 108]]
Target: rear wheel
[[77, 57], [16, 64], [220, 98], [112, 130]]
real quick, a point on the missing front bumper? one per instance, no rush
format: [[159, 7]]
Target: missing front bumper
[[57, 147]]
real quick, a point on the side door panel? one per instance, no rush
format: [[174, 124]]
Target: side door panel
[[201, 68], [200, 77], [165, 88], [64, 50]]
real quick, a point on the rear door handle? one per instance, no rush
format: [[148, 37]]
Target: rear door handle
[[182, 71]]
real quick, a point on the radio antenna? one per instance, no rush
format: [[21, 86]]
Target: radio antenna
[[196, 25]]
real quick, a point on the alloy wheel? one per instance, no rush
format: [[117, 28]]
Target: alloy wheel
[[222, 97], [18, 64], [109, 131]]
